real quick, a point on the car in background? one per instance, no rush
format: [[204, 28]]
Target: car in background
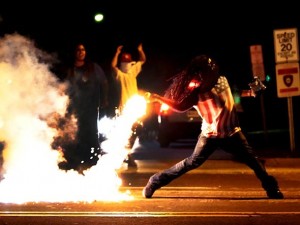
[[173, 125]]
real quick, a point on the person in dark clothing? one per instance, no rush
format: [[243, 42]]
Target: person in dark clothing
[[87, 90], [201, 85]]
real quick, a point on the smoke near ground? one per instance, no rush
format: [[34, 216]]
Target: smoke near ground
[[29, 94], [32, 128]]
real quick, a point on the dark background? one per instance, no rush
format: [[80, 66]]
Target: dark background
[[172, 32]]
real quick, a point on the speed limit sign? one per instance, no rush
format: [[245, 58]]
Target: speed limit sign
[[286, 45]]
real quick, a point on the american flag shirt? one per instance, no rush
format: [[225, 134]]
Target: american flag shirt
[[217, 110]]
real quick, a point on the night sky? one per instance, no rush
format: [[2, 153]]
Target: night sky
[[172, 33]]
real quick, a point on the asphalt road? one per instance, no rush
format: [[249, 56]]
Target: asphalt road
[[222, 191]]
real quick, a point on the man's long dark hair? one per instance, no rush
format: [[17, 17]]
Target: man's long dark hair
[[203, 68]]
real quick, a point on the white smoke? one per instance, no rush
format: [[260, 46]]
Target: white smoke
[[29, 92], [32, 98]]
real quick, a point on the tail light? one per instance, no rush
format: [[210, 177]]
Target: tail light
[[164, 109]]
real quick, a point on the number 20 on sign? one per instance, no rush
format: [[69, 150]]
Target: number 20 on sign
[[286, 45]]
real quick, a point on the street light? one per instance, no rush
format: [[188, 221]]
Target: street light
[[99, 17]]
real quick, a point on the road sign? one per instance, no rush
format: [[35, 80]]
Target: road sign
[[256, 54], [286, 45], [258, 70], [287, 79], [257, 61]]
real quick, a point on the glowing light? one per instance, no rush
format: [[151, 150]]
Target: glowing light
[[99, 17], [193, 84], [118, 130], [164, 108]]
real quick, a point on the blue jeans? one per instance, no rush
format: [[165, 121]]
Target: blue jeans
[[236, 144]]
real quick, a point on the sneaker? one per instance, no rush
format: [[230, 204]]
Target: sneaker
[[148, 191], [275, 194], [270, 184]]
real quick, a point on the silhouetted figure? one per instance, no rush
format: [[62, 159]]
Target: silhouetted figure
[[88, 90]]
